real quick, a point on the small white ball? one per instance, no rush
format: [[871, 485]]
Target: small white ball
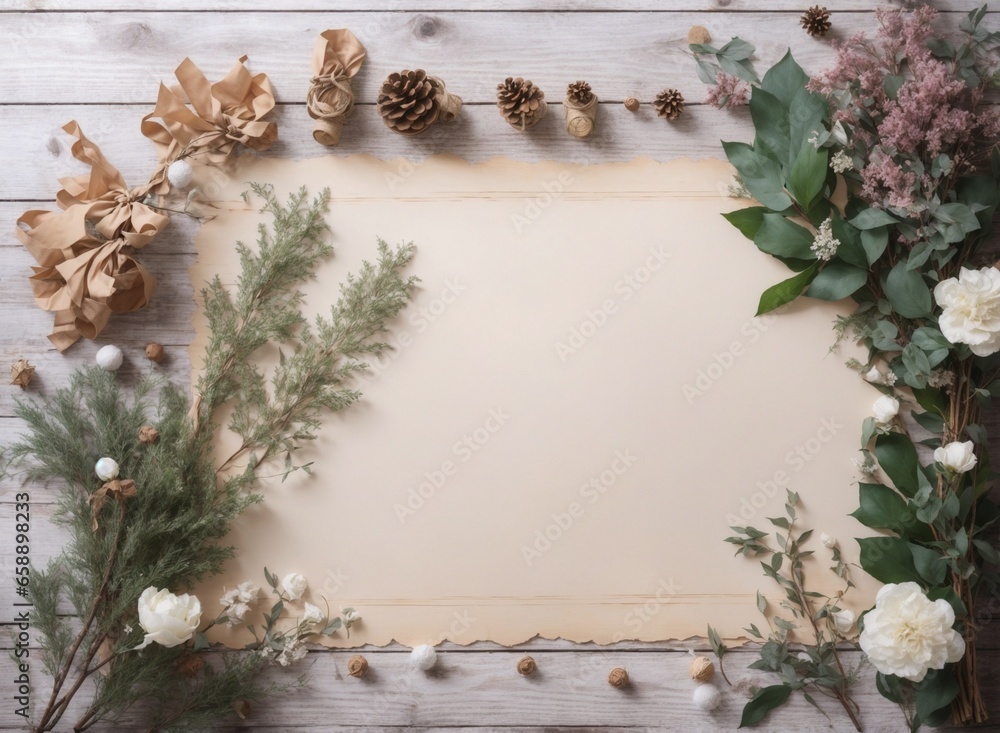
[[106, 469], [109, 358], [423, 657], [707, 697], [180, 174]]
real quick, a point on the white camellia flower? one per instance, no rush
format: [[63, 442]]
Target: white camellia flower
[[885, 409], [971, 309], [907, 633], [956, 457], [167, 619], [294, 585], [843, 620], [313, 614]]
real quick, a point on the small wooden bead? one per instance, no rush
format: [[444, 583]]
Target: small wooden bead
[[526, 665], [357, 666], [632, 104]]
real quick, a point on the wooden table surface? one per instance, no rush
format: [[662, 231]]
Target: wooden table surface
[[100, 62]]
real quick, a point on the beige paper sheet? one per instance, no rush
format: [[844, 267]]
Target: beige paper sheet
[[579, 405]]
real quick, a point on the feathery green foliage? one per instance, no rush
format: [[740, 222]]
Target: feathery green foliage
[[171, 533]]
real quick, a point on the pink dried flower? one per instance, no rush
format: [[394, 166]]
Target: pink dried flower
[[729, 91]]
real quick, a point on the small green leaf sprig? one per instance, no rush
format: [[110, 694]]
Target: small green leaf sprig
[[813, 668]]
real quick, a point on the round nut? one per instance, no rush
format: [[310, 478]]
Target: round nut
[[618, 677], [526, 665], [632, 104], [357, 666], [701, 669], [154, 352], [699, 34]]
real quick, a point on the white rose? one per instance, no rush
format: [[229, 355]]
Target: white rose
[[247, 591], [907, 633], [827, 540], [294, 585], [843, 620], [971, 309], [313, 614], [237, 612], [167, 619], [885, 409], [956, 457]]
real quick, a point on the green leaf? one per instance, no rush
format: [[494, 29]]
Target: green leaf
[[747, 220], [932, 400], [200, 641], [808, 175], [770, 121], [766, 700], [784, 80], [929, 563], [761, 175], [935, 692], [873, 219], [898, 458], [888, 559], [837, 280], [787, 290], [890, 687], [851, 249], [874, 242], [908, 292], [882, 508], [781, 237]]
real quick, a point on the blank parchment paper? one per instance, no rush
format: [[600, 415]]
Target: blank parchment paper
[[579, 404]]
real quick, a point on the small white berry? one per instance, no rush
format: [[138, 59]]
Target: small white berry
[[106, 469], [109, 358], [423, 657], [180, 174], [707, 697]]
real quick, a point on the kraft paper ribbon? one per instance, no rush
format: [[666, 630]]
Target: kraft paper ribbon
[[85, 272], [337, 57], [219, 116]]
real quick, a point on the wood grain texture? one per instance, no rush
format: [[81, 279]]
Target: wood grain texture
[[103, 70], [122, 57]]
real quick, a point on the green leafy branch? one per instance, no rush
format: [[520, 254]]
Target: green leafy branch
[[818, 667]]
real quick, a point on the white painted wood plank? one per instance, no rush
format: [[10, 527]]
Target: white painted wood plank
[[663, 6], [121, 57], [473, 688]]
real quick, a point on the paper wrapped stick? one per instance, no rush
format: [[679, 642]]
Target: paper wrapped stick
[[337, 57]]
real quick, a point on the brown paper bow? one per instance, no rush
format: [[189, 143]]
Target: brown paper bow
[[85, 290], [84, 271], [337, 57], [219, 116], [115, 489]]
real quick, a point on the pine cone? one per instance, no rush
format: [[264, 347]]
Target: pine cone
[[669, 103], [579, 93], [816, 21], [520, 102], [408, 102]]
